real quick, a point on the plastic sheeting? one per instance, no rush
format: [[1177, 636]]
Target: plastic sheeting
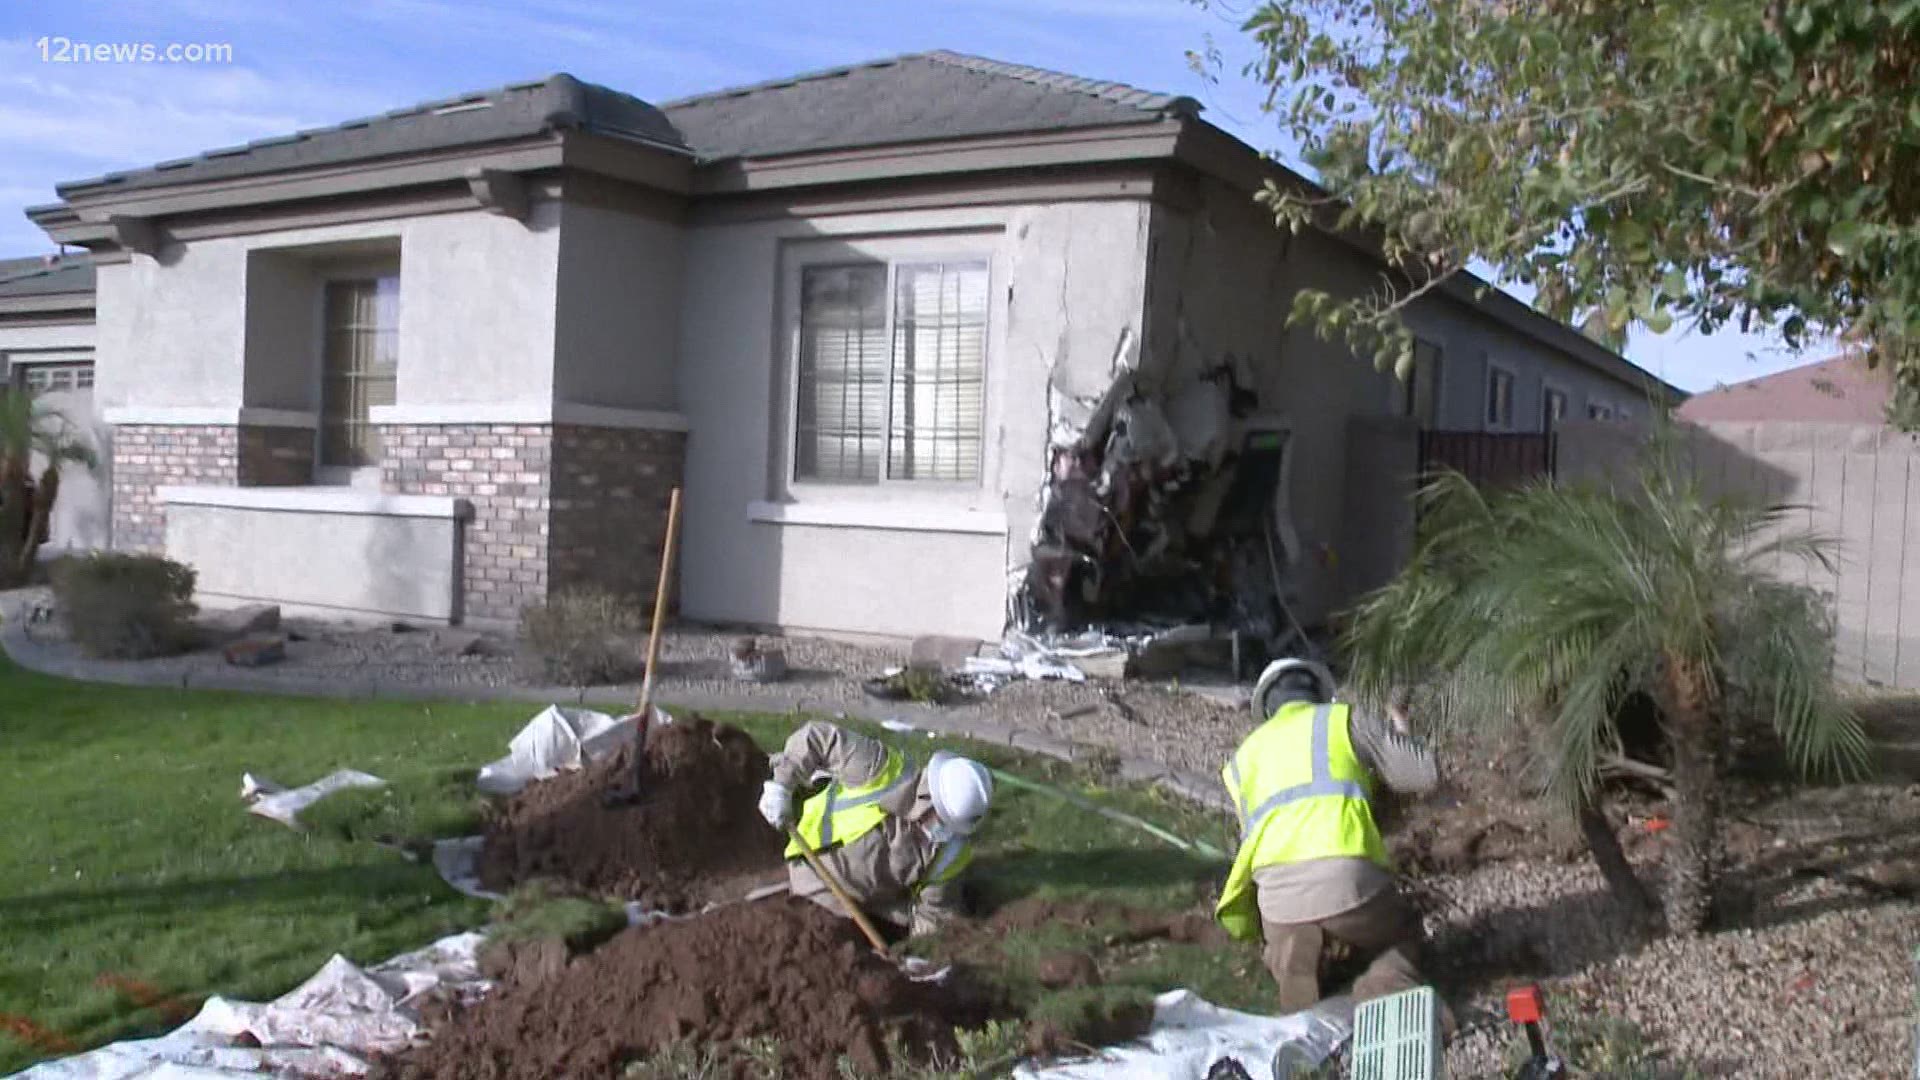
[[329, 1025], [270, 800], [1189, 1034], [557, 740]]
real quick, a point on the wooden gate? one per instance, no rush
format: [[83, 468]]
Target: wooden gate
[[1488, 459]]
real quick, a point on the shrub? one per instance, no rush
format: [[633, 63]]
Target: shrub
[[580, 637], [126, 606]]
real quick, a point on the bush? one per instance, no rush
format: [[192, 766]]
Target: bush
[[126, 606], [583, 636]]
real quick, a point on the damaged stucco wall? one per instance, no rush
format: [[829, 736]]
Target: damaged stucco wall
[[1068, 293], [1223, 278]]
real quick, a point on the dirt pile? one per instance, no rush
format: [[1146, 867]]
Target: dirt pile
[[693, 835], [778, 968]]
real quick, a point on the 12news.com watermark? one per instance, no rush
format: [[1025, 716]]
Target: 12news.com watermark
[[55, 49]]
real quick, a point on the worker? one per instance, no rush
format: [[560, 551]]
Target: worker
[[1312, 871], [896, 836]]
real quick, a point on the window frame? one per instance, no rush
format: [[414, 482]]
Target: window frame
[[21, 373], [1599, 410], [1488, 420], [1548, 391], [1407, 391], [325, 274], [979, 248]]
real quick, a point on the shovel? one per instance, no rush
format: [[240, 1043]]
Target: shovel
[[839, 891]]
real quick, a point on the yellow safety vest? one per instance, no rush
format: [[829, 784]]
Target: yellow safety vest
[[840, 815], [1301, 794]]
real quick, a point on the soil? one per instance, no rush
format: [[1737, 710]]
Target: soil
[[1067, 969], [780, 968], [692, 836], [1124, 925]]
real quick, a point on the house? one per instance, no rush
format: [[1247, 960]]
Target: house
[[1844, 389], [924, 339], [46, 346]]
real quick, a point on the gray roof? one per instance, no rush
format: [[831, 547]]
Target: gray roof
[[558, 102], [46, 276], [915, 98], [934, 95]]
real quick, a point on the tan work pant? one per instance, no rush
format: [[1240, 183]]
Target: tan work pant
[[1383, 929]]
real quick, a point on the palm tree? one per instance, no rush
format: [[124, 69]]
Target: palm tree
[[1549, 605], [28, 428]]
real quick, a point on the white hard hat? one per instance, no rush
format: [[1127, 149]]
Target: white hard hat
[[1322, 681], [961, 789]]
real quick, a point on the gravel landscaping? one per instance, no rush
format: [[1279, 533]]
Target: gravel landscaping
[[1811, 975]]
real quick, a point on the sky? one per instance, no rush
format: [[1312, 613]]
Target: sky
[[278, 66]]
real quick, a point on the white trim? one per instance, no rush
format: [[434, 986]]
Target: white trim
[[318, 500], [210, 416], [891, 515], [1487, 423], [531, 412], [1549, 387]]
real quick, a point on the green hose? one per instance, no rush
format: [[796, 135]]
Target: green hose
[[1198, 847]]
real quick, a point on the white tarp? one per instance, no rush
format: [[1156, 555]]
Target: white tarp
[[1189, 1034], [329, 1025], [458, 861], [558, 740], [270, 800]]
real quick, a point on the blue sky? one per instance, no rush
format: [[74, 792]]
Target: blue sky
[[303, 65]]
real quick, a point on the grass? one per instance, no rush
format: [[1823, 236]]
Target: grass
[[135, 884], [130, 861]]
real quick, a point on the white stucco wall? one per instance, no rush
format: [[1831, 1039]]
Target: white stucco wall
[[1067, 292], [344, 553], [477, 302], [81, 516], [281, 331], [618, 322]]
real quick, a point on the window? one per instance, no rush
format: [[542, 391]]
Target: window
[[893, 391], [358, 366], [1553, 409], [1599, 410], [1420, 392], [1499, 399], [55, 378]]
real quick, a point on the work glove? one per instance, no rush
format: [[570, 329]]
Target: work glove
[[776, 804]]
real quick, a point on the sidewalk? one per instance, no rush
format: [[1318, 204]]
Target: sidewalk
[[1145, 733]]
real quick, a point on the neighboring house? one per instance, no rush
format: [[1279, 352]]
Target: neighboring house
[[443, 362], [1841, 390], [46, 346]]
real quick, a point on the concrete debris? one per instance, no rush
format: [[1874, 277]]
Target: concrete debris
[[233, 624], [750, 661], [941, 653], [257, 650]]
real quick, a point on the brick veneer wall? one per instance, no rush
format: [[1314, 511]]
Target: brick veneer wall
[[554, 506], [611, 487], [503, 470], [150, 456]]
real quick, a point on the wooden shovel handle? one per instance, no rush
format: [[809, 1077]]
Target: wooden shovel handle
[[839, 891], [660, 592]]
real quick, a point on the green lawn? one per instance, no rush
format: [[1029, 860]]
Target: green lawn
[[131, 855]]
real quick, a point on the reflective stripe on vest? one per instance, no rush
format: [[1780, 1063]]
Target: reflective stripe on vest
[[1324, 815], [840, 815], [1322, 783], [953, 858]]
